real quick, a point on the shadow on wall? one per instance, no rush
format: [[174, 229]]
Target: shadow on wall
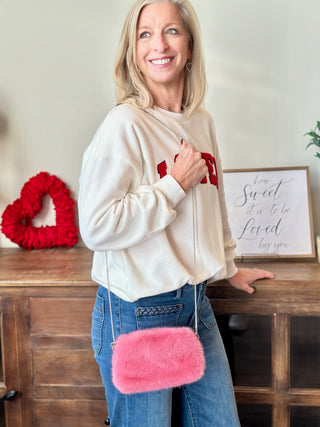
[[4, 166], [4, 125], [4, 129]]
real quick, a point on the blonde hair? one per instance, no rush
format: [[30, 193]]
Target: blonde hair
[[130, 84]]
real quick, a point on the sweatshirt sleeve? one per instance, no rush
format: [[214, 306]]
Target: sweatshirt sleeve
[[229, 242], [117, 211]]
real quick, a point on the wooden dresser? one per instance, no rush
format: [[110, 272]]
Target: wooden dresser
[[46, 300]]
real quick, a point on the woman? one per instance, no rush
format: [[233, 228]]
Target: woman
[[135, 208]]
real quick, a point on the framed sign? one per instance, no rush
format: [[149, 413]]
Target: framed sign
[[270, 212]]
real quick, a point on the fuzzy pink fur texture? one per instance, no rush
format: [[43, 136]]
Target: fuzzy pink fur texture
[[156, 358]]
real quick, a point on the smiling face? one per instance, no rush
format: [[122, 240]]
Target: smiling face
[[163, 46]]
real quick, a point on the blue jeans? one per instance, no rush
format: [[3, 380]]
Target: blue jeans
[[208, 402]]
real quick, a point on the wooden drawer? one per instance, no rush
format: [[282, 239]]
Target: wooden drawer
[[67, 388]]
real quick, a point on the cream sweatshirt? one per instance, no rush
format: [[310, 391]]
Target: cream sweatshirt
[[136, 217]]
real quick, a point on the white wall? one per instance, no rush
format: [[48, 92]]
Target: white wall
[[56, 61]]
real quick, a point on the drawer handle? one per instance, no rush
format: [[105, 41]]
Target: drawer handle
[[10, 395]]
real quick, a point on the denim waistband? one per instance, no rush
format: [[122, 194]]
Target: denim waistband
[[200, 288]]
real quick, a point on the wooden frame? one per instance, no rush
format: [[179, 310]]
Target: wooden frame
[[270, 213]]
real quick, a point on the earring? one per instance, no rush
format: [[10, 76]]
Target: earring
[[189, 65]]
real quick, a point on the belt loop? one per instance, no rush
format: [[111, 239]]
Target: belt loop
[[178, 293], [203, 288]]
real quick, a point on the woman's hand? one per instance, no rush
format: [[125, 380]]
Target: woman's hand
[[244, 278], [189, 168]]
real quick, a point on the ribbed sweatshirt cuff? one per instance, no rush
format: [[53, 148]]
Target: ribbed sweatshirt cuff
[[231, 268], [171, 189]]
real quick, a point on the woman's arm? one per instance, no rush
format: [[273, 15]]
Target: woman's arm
[[116, 210]]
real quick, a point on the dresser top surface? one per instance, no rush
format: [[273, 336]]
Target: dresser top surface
[[74, 266]]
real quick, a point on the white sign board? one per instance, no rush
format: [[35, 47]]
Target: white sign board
[[270, 212]]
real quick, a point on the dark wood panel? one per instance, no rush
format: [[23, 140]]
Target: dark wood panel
[[69, 413], [65, 367], [59, 341], [69, 392], [60, 316]]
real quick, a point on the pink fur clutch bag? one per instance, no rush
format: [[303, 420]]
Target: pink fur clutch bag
[[156, 358]]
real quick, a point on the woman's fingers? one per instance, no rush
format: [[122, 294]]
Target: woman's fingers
[[245, 277], [189, 168]]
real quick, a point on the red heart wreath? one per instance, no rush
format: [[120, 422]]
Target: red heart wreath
[[17, 217]]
